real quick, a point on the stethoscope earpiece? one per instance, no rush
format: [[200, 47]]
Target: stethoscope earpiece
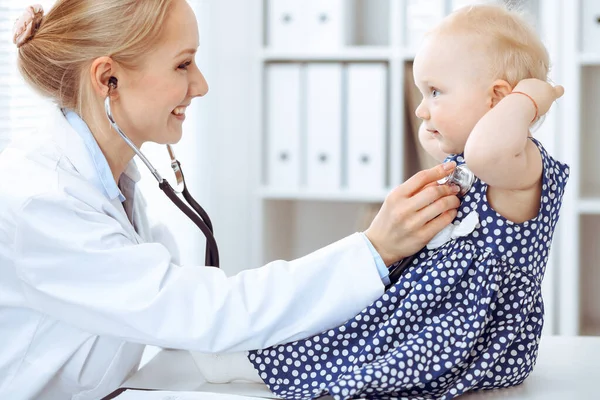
[[113, 82]]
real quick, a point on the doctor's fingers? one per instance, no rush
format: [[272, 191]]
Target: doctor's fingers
[[432, 194], [434, 226], [436, 208], [421, 179]]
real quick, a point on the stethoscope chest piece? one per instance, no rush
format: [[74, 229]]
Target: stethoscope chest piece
[[462, 177]]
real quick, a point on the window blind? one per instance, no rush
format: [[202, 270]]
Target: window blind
[[21, 108]]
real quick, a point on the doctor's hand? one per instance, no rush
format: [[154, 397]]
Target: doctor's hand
[[413, 213]]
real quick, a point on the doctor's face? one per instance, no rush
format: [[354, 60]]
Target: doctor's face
[[154, 97]]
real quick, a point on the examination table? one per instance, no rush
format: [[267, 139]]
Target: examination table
[[567, 368]]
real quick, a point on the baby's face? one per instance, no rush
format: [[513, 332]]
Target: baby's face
[[452, 73]]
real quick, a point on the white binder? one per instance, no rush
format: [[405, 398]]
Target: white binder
[[283, 125], [325, 24], [324, 126], [590, 25], [456, 4], [366, 126], [421, 16], [287, 24]]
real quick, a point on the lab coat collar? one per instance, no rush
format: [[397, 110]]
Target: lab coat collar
[[132, 171], [76, 151], [104, 173]]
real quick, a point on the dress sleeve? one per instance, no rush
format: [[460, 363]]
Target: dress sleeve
[[555, 175]]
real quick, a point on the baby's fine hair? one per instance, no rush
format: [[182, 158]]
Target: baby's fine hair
[[57, 60], [515, 48]]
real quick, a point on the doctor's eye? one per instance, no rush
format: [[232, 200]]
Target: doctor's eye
[[185, 65]]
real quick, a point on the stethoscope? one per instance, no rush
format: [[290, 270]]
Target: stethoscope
[[196, 213], [464, 179]]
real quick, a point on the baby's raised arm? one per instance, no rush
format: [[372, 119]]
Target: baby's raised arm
[[498, 151]]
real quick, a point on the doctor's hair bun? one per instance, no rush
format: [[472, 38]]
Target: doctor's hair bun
[[73, 33], [27, 24]]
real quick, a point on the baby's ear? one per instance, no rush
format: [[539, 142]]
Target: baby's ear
[[499, 89]]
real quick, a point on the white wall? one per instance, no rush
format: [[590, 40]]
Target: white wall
[[234, 44], [215, 150]]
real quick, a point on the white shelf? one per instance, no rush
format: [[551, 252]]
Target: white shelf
[[409, 54], [335, 195], [589, 59], [355, 53], [589, 206]]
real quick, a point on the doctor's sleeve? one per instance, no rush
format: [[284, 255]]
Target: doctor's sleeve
[[384, 273], [78, 265]]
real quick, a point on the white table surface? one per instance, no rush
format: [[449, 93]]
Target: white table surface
[[567, 368]]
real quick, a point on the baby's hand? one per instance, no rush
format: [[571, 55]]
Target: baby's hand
[[542, 92]]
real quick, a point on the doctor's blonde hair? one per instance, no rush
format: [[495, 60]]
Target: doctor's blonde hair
[[57, 61], [515, 49]]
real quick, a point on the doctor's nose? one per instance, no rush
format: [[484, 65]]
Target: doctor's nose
[[198, 86], [422, 112]]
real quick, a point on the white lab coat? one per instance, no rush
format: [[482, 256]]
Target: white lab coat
[[81, 292]]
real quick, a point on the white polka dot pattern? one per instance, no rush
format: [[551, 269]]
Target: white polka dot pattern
[[465, 316]]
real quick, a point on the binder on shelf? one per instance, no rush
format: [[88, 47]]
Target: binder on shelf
[[421, 16], [456, 4], [590, 37], [283, 125], [286, 24], [324, 126], [366, 125], [306, 24], [325, 24]]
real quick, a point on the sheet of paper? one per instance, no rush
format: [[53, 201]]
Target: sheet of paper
[[164, 395]]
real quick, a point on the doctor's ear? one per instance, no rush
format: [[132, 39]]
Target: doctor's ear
[[103, 77], [499, 89]]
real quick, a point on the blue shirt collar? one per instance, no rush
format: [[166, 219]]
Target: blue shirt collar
[[104, 173]]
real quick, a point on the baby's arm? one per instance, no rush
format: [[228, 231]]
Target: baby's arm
[[498, 151], [430, 144]]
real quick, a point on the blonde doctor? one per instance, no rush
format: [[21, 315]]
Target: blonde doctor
[[84, 285]]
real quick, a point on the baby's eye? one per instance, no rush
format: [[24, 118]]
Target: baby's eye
[[435, 92]]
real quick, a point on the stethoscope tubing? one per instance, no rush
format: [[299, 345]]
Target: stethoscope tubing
[[137, 151], [211, 256], [196, 213]]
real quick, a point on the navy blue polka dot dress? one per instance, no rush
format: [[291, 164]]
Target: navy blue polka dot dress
[[467, 314]]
